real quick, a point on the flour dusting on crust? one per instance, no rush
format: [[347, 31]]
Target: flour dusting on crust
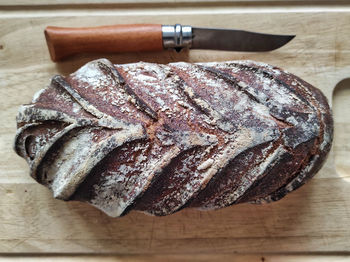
[[158, 138]]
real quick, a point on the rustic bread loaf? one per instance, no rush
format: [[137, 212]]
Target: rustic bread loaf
[[158, 138]]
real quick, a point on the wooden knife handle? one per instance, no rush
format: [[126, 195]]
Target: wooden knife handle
[[63, 41]]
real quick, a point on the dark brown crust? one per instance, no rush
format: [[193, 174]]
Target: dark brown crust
[[158, 138]]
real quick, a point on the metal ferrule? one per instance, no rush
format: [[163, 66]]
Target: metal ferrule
[[177, 36]]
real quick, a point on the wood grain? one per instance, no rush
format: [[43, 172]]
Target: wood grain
[[174, 258], [315, 218], [341, 105], [66, 41], [15, 3]]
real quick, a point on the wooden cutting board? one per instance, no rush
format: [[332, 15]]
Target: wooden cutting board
[[315, 218]]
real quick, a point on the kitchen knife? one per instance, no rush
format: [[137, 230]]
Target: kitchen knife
[[63, 42]]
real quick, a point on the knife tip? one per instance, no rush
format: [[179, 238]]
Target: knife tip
[[291, 37], [284, 39]]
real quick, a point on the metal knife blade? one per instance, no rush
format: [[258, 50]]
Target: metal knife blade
[[180, 36], [236, 40]]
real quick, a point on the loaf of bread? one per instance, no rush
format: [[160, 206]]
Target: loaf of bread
[[158, 138]]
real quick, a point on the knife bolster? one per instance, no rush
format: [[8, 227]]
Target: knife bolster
[[176, 36]]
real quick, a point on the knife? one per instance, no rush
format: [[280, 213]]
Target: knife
[[63, 41]]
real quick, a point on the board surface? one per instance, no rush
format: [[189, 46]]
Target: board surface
[[315, 218]]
